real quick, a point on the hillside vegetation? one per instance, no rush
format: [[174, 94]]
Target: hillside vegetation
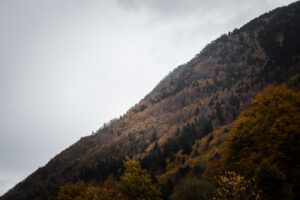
[[199, 125], [261, 162]]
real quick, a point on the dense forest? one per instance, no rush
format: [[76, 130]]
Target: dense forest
[[262, 155], [225, 125]]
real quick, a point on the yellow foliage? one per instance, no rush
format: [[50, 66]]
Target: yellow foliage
[[232, 186], [72, 191], [270, 129], [136, 184]]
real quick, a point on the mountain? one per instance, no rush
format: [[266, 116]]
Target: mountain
[[183, 122]]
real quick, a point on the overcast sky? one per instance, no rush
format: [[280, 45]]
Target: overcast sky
[[68, 66]]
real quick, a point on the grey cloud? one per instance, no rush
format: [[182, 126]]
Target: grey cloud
[[166, 7], [218, 10], [179, 8]]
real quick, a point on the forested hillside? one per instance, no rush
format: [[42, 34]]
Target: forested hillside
[[215, 116]]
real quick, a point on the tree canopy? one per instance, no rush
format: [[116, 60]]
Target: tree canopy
[[135, 184], [268, 130]]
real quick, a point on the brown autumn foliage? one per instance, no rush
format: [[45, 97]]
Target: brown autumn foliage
[[232, 186], [134, 184], [268, 130], [216, 86]]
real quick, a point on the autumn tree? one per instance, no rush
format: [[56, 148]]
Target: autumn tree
[[109, 190], [72, 191], [92, 192], [135, 183], [232, 186], [81, 191], [269, 129]]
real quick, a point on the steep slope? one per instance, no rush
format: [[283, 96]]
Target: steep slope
[[191, 108]]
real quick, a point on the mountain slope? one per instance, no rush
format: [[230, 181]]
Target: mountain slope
[[192, 106]]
